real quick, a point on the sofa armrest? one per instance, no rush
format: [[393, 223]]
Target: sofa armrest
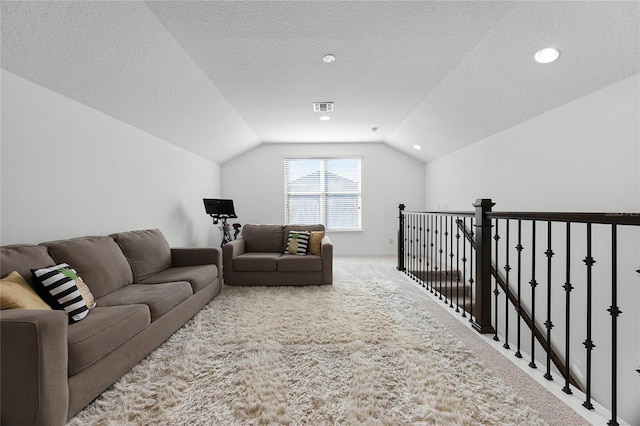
[[229, 251], [326, 251], [196, 256], [33, 367]]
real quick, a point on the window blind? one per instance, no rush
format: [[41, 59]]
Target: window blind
[[323, 190]]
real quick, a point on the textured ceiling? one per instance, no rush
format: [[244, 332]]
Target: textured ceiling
[[220, 77]]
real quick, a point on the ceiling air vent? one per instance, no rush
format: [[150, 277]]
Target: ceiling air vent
[[322, 106]]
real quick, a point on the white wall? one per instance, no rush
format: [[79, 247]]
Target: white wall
[[68, 170], [255, 181], [582, 156]]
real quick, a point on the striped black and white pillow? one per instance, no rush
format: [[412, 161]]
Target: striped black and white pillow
[[298, 242], [58, 282]]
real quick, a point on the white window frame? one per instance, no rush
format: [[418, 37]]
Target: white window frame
[[323, 193]]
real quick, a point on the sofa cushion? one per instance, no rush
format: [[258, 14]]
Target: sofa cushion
[[58, 282], [103, 331], [263, 238], [288, 228], [22, 258], [198, 276], [147, 250], [295, 263], [160, 298], [16, 293], [98, 260], [256, 262]]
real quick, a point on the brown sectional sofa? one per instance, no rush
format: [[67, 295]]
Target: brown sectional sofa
[[259, 258], [144, 292]]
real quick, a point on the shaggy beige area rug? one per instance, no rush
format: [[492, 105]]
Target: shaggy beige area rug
[[357, 352]]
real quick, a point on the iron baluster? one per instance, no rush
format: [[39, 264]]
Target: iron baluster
[[588, 343], [451, 272], [413, 246], [446, 268], [458, 265], [423, 248], [464, 269], [567, 288], [426, 249], [548, 324], [416, 247], [496, 292], [407, 242], [533, 284], [519, 307], [409, 246], [440, 251], [432, 268], [420, 253], [471, 272], [434, 258], [409, 217], [507, 268], [615, 311]]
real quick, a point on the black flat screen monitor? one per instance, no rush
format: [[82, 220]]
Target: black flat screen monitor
[[219, 208]]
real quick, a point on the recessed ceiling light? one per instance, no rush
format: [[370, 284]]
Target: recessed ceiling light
[[547, 55], [418, 147], [328, 58], [325, 118]]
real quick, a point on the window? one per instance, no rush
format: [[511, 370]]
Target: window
[[323, 190]]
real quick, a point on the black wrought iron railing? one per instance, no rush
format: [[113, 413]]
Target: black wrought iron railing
[[549, 283]]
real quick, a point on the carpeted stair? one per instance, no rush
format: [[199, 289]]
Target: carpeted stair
[[445, 282]]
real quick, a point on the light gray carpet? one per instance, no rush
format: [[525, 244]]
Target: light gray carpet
[[367, 350]]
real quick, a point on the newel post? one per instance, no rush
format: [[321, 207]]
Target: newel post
[[482, 320], [401, 238]]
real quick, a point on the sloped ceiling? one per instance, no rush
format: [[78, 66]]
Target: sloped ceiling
[[220, 77]]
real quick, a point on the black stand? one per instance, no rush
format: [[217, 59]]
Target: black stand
[[226, 235], [226, 231]]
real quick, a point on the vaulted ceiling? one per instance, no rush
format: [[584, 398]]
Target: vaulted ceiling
[[220, 77]]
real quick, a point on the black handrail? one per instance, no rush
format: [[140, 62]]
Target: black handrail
[[626, 218]]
